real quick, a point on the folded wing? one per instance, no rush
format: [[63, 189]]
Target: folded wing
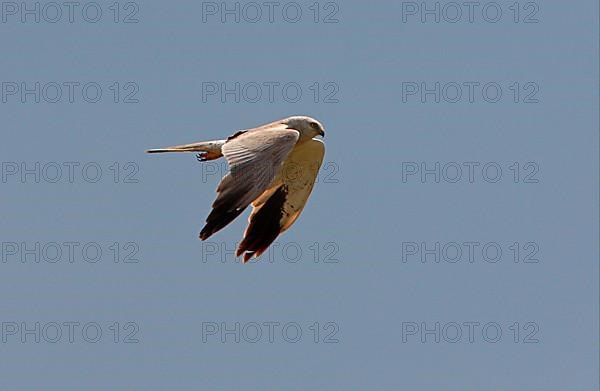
[[278, 207], [254, 157]]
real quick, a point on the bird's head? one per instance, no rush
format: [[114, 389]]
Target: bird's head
[[307, 126]]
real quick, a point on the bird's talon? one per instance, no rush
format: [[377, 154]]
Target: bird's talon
[[201, 157]]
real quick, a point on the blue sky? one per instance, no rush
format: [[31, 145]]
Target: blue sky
[[451, 241]]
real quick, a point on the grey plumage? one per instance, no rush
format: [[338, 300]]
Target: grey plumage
[[260, 160]]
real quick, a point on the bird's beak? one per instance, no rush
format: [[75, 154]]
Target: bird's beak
[[195, 147], [322, 133]]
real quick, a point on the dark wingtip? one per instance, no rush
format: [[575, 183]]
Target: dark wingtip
[[203, 235], [264, 226], [217, 220]]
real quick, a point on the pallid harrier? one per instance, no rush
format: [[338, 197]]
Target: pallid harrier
[[273, 166]]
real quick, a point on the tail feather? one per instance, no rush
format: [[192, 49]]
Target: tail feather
[[209, 149]]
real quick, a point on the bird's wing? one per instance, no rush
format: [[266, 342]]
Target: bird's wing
[[254, 158], [280, 205]]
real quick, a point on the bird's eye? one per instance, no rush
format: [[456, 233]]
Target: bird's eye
[[314, 125]]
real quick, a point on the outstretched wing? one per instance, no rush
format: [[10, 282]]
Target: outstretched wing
[[281, 204], [254, 157]]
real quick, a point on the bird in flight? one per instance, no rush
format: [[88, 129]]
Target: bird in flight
[[273, 167]]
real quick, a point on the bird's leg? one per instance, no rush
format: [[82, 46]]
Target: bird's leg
[[208, 155], [210, 150]]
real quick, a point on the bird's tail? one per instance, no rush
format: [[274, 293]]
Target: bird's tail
[[208, 149]]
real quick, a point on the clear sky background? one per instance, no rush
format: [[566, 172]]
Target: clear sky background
[[374, 316]]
